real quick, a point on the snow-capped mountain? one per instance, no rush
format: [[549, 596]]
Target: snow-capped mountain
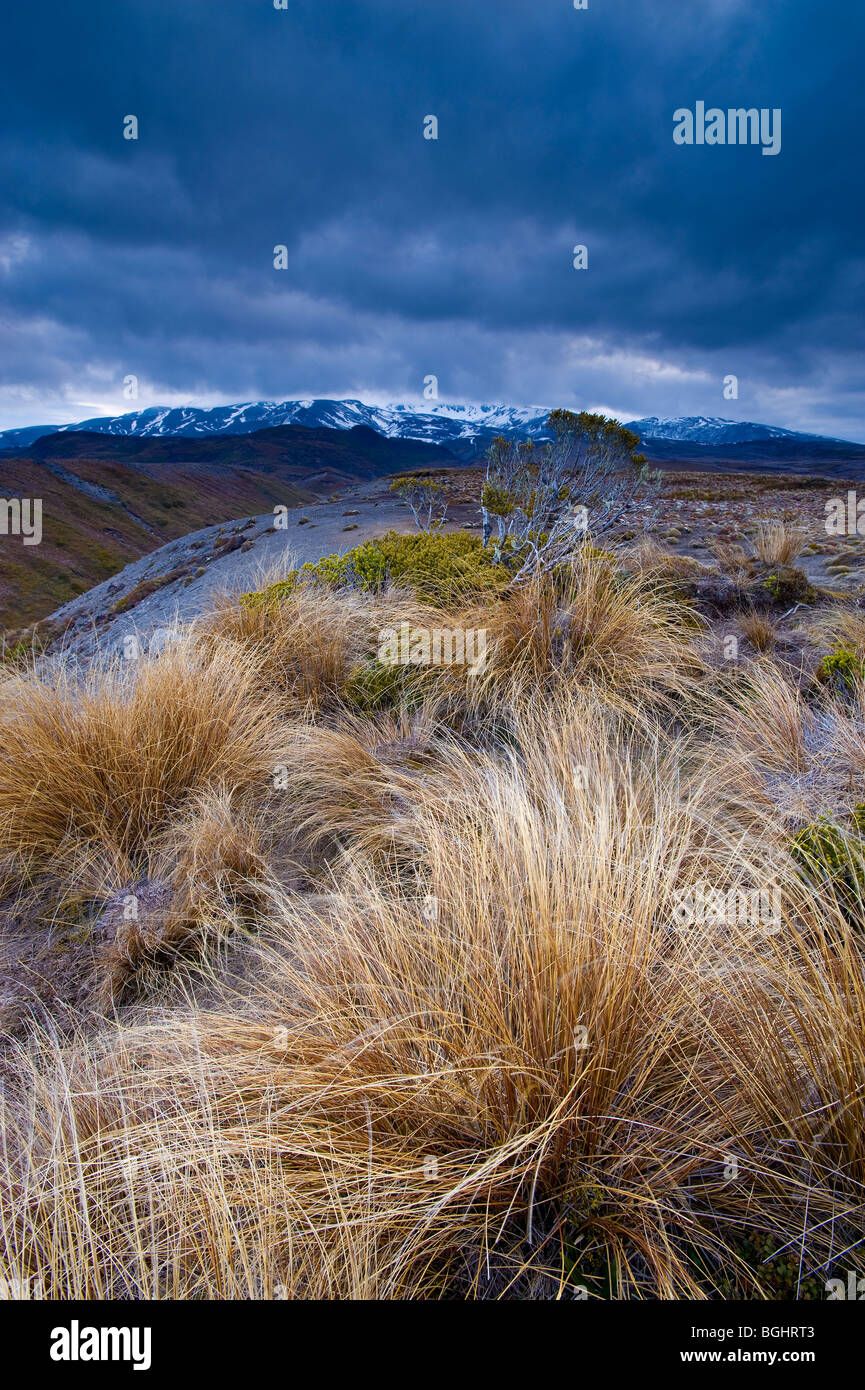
[[440, 424], [707, 429], [465, 429]]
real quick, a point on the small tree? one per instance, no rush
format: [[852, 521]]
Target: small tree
[[425, 497], [547, 500]]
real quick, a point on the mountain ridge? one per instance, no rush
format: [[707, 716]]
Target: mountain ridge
[[465, 429]]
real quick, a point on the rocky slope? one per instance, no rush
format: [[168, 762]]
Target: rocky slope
[[107, 500]]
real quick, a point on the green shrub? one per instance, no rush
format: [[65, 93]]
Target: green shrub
[[771, 1265], [835, 854], [842, 668], [785, 585], [439, 567], [273, 594], [379, 685]]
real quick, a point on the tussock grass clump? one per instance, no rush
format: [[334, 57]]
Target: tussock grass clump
[[214, 883], [778, 543], [472, 1038], [760, 631], [649, 557], [840, 626], [98, 765], [507, 1074], [770, 718], [591, 624], [343, 794], [732, 557], [301, 644]]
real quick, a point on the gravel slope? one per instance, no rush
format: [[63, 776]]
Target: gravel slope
[[181, 580]]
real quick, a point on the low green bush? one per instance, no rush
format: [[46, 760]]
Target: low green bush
[[440, 567], [834, 853], [785, 585], [378, 685], [842, 668]]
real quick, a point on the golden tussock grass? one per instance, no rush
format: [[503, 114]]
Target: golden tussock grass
[[598, 627], [778, 543], [760, 631], [101, 763], [839, 626], [215, 873], [470, 1048], [301, 650]]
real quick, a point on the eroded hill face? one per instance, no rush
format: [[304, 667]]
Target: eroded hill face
[[106, 502], [99, 516], [182, 579]]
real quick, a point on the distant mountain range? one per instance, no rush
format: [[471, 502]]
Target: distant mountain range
[[725, 446], [708, 429], [463, 431], [316, 459], [439, 424], [467, 429]]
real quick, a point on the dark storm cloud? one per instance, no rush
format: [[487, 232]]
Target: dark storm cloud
[[406, 257]]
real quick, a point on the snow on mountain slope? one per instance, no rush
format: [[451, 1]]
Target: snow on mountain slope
[[702, 429], [473, 426], [467, 429]]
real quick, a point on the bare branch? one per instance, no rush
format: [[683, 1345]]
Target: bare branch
[[546, 501]]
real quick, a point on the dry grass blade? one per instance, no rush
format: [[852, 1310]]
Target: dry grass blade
[[448, 1022]]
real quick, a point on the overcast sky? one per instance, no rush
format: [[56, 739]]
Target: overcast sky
[[410, 257]]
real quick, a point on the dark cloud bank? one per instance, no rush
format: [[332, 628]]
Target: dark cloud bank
[[408, 257]]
